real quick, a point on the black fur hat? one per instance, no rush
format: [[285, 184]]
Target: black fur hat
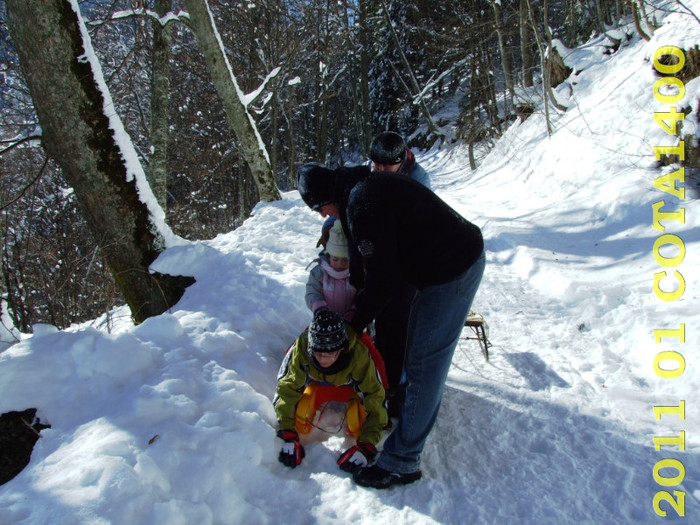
[[388, 148], [315, 183]]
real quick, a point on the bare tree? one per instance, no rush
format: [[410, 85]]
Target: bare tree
[[528, 60], [505, 55], [414, 88], [234, 101], [365, 105], [84, 135]]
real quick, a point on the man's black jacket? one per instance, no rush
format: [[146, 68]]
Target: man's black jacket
[[399, 230]]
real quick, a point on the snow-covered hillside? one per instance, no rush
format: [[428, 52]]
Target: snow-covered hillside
[[171, 422]]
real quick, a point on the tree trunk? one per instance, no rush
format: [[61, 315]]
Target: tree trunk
[[274, 130], [638, 24], [505, 55], [558, 70], [472, 158], [321, 119], [555, 69], [543, 66], [291, 135], [320, 59], [599, 17], [415, 92], [82, 139], [252, 147], [160, 93], [3, 293], [365, 57], [528, 60], [571, 22]]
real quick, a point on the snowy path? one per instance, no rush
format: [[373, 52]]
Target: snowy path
[[513, 433]]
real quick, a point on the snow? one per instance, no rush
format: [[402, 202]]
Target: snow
[[171, 422]]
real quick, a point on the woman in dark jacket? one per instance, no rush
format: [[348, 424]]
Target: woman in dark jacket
[[400, 231]]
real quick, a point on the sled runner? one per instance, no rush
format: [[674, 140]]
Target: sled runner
[[478, 326]]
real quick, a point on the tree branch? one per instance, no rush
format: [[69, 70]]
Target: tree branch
[[26, 188]]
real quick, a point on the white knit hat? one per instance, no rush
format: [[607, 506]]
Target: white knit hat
[[337, 244]]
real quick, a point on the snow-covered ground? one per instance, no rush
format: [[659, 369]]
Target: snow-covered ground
[[171, 422]]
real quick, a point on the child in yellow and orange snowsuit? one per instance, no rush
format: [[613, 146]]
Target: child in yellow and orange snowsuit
[[328, 353]]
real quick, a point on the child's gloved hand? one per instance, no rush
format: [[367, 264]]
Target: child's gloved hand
[[357, 457], [292, 452]]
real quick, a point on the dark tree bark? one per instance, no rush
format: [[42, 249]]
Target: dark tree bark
[[77, 133]]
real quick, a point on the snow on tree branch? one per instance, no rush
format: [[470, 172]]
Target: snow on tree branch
[[133, 167]]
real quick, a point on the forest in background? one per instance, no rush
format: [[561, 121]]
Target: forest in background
[[324, 76]]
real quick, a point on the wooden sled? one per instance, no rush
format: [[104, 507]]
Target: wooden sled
[[476, 322]]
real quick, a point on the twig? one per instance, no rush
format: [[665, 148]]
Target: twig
[[30, 427]]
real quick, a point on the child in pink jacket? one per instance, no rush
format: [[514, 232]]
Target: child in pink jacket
[[329, 283]]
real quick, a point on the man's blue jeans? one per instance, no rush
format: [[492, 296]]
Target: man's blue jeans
[[437, 317]]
